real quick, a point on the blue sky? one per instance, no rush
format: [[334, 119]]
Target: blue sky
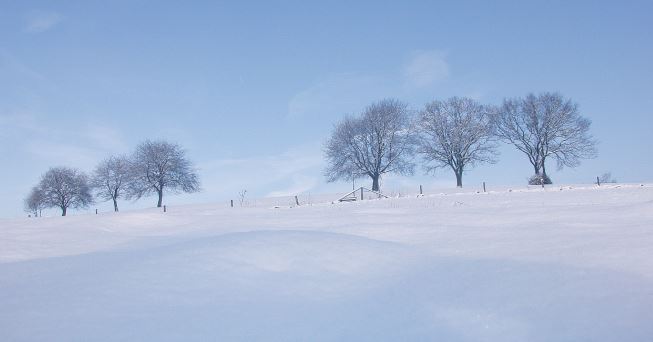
[[252, 89]]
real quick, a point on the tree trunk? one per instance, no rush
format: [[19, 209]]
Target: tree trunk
[[160, 198], [63, 211], [537, 168], [115, 205], [459, 179], [375, 183]]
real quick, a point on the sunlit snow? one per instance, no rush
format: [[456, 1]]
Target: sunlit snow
[[572, 263]]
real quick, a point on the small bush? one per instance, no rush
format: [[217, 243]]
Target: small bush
[[537, 179]]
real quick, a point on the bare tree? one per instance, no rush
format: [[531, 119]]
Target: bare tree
[[159, 166], [35, 203], [456, 133], [546, 125], [607, 178], [111, 178], [241, 196], [380, 141], [65, 188]]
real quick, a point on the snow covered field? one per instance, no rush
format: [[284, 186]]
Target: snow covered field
[[525, 265]]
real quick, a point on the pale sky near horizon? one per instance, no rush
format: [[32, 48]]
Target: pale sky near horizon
[[252, 89]]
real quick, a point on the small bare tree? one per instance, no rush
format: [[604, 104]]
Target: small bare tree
[[241, 196], [456, 133], [607, 178], [159, 166], [546, 125], [378, 142], [35, 203], [65, 188], [111, 178]]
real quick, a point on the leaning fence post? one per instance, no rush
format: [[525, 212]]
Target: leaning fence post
[[598, 181], [420, 189], [296, 200]]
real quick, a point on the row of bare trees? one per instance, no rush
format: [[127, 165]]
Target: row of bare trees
[[458, 133], [155, 167]]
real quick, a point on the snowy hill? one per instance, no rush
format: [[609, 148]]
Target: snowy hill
[[556, 264]]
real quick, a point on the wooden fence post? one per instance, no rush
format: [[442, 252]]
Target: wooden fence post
[[420, 189], [483, 186], [96, 211], [361, 193], [296, 200], [164, 208], [232, 203], [598, 181]]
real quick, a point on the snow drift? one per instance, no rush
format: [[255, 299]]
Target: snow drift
[[525, 265]]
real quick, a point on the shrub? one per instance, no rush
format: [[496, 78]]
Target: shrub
[[538, 179]]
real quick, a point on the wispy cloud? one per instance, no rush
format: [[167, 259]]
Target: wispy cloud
[[343, 93], [335, 94], [10, 66], [425, 68], [82, 146], [294, 171], [299, 185], [104, 138], [41, 21], [63, 153]]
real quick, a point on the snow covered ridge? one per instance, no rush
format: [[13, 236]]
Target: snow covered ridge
[[520, 265]]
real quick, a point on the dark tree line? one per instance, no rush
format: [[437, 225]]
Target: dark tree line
[[458, 133], [155, 167]]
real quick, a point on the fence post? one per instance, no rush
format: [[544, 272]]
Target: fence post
[[420, 189], [232, 203], [96, 211], [296, 200], [361, 193], [598, 181], [164, 208], [483, 186]]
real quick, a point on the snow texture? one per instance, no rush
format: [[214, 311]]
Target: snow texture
[[554, 264]]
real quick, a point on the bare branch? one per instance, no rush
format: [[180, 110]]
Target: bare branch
[[158, 166], [379, 141], [64, 188], [456, 133], [546, 125], [111, 178]]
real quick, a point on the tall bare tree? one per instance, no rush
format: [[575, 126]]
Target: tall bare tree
[[380, 141], [456, 133], [65, 188], [160, 166], [35, 203], [111, 178], [546, 125]]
